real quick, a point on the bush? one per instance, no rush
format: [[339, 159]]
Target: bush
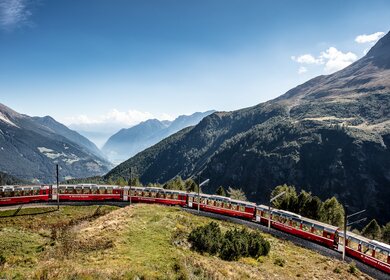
[[231, 246], [352, 268], [206, 238], [280, 262], [2, 260], [337, 270]]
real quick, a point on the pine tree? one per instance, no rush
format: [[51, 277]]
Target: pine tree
[[332, 212], [221, 191], [288, 201], [120, 182], [372, 230], [386, 233], [312, 207], [134, 182], [191, 186], [236, 194]]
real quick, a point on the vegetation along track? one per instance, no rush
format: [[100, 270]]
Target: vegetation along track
[[279, 234]]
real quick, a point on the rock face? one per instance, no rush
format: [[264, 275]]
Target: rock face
[[128, 142], [30, 147], [330, 135]]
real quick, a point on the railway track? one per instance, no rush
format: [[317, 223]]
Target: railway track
[[279, 234]]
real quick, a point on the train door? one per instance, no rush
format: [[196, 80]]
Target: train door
[[54, 192], [258, 215], [125, 193], [190, 200], [339, 242]]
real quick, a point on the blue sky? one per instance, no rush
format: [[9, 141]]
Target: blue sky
[[114, 63]]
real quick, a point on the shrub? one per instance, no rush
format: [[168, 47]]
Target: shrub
[[337, 270], [206, 238], [231, 246], [352, 268], [2, 260], [280, 262]]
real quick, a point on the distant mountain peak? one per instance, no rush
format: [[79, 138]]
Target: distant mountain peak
[[31, 146], [128, 142]]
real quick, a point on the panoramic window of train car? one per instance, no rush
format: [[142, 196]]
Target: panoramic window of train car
[[294, 223], [17, 192], [94, 190], [109, 190], [1, 192], [86, 189], [242, 208], [175, 196], [353, 244], [62, 190], [8, 192], [226, 204], [265, 214], [70, 190], [79, 190], [218, 203], [153, 193], [210, 202], [380, 254], [306, 226], [204, 200]]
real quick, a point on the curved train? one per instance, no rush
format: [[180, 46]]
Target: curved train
[[370, 252]]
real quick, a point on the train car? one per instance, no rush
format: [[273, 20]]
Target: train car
[[89, 192], [371, 252], [297, 225], [222, 205], [10, 195], [158, 195]]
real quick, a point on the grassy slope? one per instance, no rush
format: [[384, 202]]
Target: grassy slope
[[148, 241]]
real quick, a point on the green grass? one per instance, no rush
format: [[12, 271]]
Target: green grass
[[142, 241]]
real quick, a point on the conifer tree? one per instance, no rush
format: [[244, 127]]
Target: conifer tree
[[221, 191], [372, 230]]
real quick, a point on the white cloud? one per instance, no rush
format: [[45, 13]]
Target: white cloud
[[370, 38], [336, 60], [116, 117], [302, 70], [13, 14], [307, 59], [332, 58]]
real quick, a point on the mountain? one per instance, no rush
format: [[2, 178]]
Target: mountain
[[6, 179], [128, 142], [330, 136], [30, 147], [72, 135]]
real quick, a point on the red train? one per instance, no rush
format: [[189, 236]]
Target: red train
[[371, 252]]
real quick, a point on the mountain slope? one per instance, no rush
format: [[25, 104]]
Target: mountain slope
[[128, 142], [72, 135], [31, 147], [330, 135]]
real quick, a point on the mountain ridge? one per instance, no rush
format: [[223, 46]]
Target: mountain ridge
[[130, 141], [329, 135], [30, 147]]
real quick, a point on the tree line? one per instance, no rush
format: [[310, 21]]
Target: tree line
[[330, 211]]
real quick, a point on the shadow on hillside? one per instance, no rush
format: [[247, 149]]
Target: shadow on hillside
[[31, 211]]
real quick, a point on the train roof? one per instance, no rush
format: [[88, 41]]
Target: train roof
[[321, 224], [19, 187], [301, 218], [381, 245], [354, 236], [246, 203]]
